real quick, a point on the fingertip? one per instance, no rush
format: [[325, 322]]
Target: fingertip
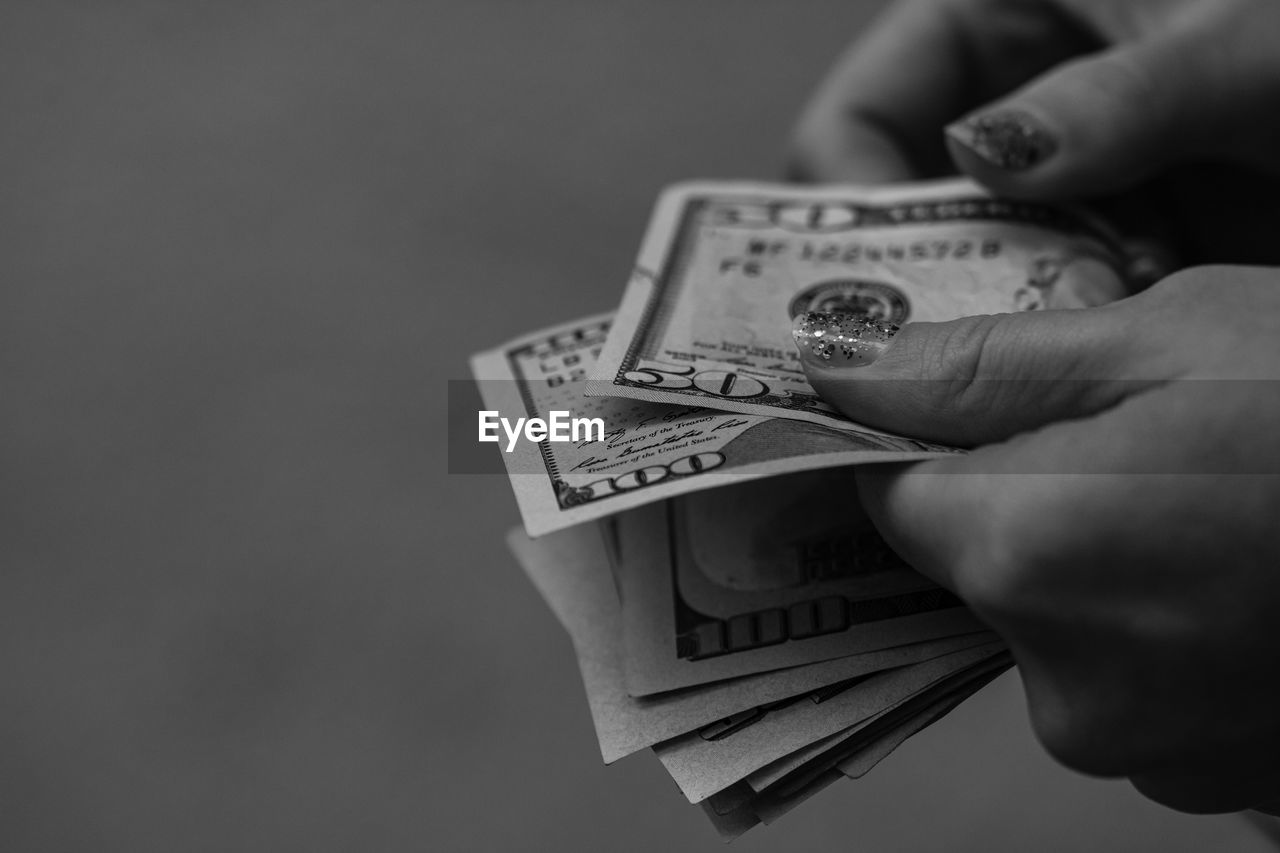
[[1097, 125], [1008, 150]]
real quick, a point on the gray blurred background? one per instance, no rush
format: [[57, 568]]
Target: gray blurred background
[[242, 605]]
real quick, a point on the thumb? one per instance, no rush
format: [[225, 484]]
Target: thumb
[[1096, 125], [970, 381]]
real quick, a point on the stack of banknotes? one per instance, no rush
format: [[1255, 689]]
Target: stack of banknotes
[[731, 607]]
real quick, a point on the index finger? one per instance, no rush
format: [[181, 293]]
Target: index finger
[[880, 113]]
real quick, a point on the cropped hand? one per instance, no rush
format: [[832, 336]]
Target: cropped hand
[[1119, 523], [1167, 108]]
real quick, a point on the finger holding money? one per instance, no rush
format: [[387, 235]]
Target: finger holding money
[[1118, 525]]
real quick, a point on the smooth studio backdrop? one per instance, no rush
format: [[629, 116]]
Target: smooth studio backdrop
[[243, 247]]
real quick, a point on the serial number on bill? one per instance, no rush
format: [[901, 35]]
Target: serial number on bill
[[860, 252]]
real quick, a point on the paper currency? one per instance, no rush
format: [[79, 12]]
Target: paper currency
[[912, 712], [651, 451], [862, 746], [729, 605], [712, 590], [724, 267], [738, 808], [875, 749], [568, 568], [702, 766]]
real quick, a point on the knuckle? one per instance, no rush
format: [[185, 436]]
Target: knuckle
[[1212, 286], [948, 351], [1186, 282], [1178, 296], [957, 356], [1098, 737], [1079, 742], [997, 573], [1195, 279], [1083, 723], [993, 579], [1021, 549]]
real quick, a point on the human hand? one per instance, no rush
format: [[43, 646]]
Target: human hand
[[1119, 524], [1058, 99]]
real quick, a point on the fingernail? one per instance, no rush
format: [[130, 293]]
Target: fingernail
[[840, 340], [1007, 139]]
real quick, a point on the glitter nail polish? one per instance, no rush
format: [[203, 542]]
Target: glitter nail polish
[[1007, 139], [840, 340]]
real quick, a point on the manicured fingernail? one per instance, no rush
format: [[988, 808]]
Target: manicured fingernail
[[1007, 139], [840, 340]]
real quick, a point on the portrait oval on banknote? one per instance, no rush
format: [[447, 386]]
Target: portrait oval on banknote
[[877, 300]]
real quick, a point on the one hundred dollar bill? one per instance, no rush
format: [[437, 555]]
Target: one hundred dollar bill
[[725, 267], [649, 451], [759, 576], [570, 569]]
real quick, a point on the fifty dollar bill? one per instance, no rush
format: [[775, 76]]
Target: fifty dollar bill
[[724, 267], [650, 451]]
